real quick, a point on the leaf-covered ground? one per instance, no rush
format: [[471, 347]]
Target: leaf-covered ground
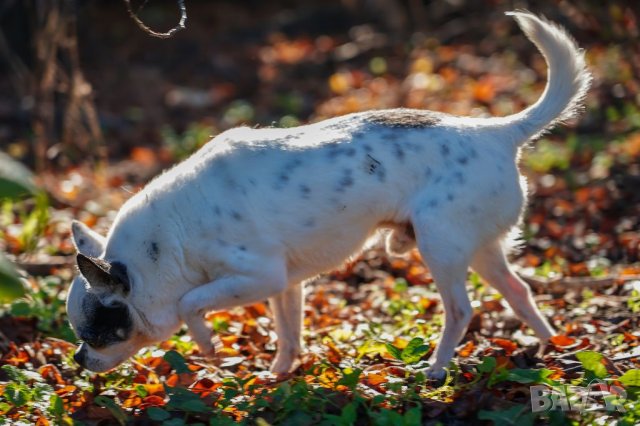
[[370, 326]]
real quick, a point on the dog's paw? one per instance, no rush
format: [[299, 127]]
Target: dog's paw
[[284, 364], [209, 349], [436, 373]]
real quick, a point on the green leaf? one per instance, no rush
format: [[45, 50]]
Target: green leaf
[[185, 400], [11, 287], [174, 422], [141, 391], [15, 374], [592, 362], [488, 365], [348, 414], [630, 378], [157, 414], [413, 417], [15, 179], [414, 351], [516, 415], [350, 378], [117, 412], [177, 361], [530, 376], [17, 394], [56, 406], [21, 308], [386, 417], [394, 351]]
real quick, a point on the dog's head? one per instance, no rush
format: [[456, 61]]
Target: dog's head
[[99, 306]]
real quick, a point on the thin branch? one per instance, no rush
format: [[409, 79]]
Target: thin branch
[[168, 34]]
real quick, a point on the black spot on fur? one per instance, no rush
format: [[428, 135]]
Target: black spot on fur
[[433, 203], [217, 210], [450, 197], [283, 177], [305, 191], [236, 216], [104, 325], [336, 150], [398, 151], [444, 150], [390, 136], [153, 251], [462, 160], [345, 181], [404, 118], [309, 223], [374, 167], [281, 181]]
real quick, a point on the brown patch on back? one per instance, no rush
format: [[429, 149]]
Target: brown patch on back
[[404, 118]]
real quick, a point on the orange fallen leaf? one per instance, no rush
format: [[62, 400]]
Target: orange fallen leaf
[[375, 379], [152, 401], [562, 340], [505, 344], [144, 156], [467, 349]]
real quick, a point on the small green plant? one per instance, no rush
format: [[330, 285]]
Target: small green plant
[[16, 182], [45, 305], [548, 155], [33, 215], [410, 354], [28, 392], [633, 303], [183, 145]]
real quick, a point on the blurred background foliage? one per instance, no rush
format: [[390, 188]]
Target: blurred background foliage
[[80, 81]]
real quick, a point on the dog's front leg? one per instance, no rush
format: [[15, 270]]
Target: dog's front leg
[[288, 312], [228, 292]]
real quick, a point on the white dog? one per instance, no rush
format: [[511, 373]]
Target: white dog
[[258, 211]]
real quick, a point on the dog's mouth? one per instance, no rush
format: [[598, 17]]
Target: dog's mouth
[[84, 359]]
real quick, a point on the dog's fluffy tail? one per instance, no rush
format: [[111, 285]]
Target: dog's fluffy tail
[[567, 79]]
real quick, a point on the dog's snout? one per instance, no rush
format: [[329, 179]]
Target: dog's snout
[[81, 355]]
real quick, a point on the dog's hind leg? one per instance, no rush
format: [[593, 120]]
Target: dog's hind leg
[[288, 311], [447, 252], [491, 264]]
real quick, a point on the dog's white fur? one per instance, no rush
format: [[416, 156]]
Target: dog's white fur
[[257, 211]]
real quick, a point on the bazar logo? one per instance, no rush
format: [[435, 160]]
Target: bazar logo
[[597, 395]]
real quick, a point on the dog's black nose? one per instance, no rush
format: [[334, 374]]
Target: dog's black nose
[[80, 355]]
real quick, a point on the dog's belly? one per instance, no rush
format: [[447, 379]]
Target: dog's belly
[[325, 252]]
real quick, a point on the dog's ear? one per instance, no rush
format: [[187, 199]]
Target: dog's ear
[[87, 242], [102, 275]]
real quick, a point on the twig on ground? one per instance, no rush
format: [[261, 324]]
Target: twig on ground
[[168, 34]]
